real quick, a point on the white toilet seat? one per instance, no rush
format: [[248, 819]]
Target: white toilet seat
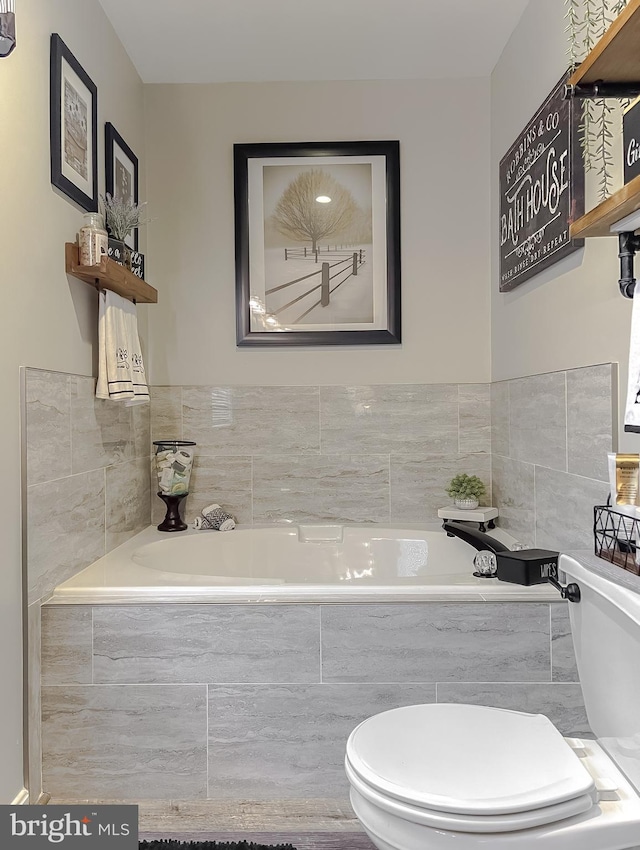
[[475, 768], [469, 823]]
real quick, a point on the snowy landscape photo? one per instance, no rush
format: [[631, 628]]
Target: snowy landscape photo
[[317, 241]]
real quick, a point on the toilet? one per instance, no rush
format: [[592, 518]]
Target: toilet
[[470, 777]]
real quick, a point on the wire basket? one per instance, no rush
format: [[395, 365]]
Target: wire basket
[[616, 536]]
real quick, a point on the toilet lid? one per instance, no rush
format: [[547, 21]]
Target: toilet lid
[[467, 759]]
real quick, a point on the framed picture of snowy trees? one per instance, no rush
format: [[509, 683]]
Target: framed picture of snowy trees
[[317, 239]]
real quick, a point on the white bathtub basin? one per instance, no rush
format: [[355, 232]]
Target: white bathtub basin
[[290, 563]]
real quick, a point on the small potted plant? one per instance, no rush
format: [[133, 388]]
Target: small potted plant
[[121, 217], [467, 491]]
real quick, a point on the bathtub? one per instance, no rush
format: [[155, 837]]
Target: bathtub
[[292, 563]]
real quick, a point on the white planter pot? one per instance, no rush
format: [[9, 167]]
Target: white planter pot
[[466, 504]]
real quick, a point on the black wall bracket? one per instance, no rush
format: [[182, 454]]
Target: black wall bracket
[[600, 90], [569, 591], [629, 244]]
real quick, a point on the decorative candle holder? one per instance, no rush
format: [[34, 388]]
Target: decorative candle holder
[[174, 463]]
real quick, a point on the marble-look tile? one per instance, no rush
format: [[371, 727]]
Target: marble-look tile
[[34, 672], [101, 430], [289, 741], [329, 488], [141, 423], [65, 529], [396, 419], [66, 644], [500, 418], [165, 410], [125, 742], [206, 643], [486, 642], [225, 481], [475, 418], [419, 483], [564, 509], [252, 420], [538, 420], [561, 703], [590, 404], [48, 425], [128, 506], [313, 823], [513, 485], [563, 657]]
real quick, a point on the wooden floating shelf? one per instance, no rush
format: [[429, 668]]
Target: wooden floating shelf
[[614, 59], [616, 56], [598, 221], [109, 275]]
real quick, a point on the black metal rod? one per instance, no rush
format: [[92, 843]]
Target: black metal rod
[[571, 592], [628, 244], [599, 90]]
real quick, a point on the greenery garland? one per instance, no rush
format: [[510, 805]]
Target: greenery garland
[[587, 21]]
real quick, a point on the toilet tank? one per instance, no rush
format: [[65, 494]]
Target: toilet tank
[[605, 626]]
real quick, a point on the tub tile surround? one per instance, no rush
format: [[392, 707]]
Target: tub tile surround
[[486, 642], [239, 644], [87, 489], [276, 714], [34, 704], [66, 529], [550, 438], [348, 488], [87, 471], [125, 742], [379, 453], [562, 703], [366, 454], [270, 454], [293, 734], [563, 658]]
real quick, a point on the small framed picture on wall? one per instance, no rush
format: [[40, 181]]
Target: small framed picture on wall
[[121, 174], [73, 110]]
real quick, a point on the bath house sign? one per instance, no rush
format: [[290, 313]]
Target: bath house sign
[[541, 192]]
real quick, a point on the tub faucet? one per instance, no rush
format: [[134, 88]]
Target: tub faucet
[[480, 541], [485, 560]]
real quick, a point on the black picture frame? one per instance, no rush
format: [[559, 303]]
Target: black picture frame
[[267, 175], [73, 127], [121, 173]]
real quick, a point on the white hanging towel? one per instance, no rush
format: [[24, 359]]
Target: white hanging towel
[[121, 374], [632, 411]]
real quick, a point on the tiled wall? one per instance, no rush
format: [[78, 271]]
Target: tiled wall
[[87, 473], [369, 453], [550, 436], [364, 454], [87, 490], [360, 454], [256, 702]]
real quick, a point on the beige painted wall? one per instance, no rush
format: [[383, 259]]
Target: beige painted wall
[[48, 320], [572, 314], [443, 128]]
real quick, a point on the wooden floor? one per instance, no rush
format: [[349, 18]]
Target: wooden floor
[[321, 824], [301, 841]]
